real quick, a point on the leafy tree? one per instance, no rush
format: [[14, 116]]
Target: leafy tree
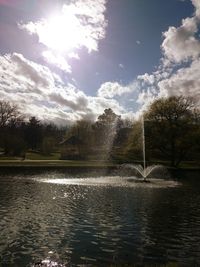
[[105, 130], [133, 149], [120, 143], [106, 126], [14, 145], [171, 128]]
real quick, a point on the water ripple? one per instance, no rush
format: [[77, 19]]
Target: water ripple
[[97, 220]]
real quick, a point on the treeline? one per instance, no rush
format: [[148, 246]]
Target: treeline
[[171, 127], [19, 134], [98, 140]]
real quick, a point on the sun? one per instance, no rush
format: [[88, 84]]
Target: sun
[[77, 25], [62, 33]]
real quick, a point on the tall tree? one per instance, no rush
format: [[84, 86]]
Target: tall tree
[[84, 132], [105, 130], [171, 128], [33, 133]]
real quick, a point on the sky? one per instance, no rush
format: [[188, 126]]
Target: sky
[[66, 60]]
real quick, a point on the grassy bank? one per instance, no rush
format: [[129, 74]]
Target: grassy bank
[[36, 159], [55, 163]]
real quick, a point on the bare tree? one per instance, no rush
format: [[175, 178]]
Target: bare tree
[[9, 113]]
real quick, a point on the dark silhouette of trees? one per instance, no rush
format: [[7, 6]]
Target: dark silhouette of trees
[[133, 149], [17, 134], [171, 127], [106, 126], [33, 133], [172, 130], [105, 130], [10, 135], [9, 113], [95, 139], [82, 132]]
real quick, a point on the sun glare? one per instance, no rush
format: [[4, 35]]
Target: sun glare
[[62, 33]]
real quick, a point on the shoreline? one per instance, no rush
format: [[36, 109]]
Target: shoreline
[[65, 164]]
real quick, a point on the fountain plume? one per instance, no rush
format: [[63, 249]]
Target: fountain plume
[[143, 170], [144, 173]]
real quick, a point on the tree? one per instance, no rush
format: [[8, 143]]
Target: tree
[[105, 130], [106, 126], [171, 128], [10, 122], [33, 133], [84, 133], [8, 113], [133, 149], [14, 145]]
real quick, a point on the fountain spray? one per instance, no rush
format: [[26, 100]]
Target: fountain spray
[[143, 147]]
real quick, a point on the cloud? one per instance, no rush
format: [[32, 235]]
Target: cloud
[[21, 71], [186, 81], [80, 24], [40, 92], [112, 89], [179, 71], [196, 4], [180, 44], [57, 60]]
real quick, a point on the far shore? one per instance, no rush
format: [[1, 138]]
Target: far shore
[[93, 164], [55, 163]]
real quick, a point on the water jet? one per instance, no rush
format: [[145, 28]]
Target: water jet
[[143, 170]]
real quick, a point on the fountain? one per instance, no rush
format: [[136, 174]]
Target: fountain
[[144, 171]]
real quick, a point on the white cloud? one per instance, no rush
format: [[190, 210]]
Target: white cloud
[[179, 71], [57, 60], [73, 55], [196, 4], [112, 89], [39, 92], [80, 23], [180, 44], [16, 69], [186, 81], [147, 78], [183, 81]]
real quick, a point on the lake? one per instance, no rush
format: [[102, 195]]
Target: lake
[[98, 219]]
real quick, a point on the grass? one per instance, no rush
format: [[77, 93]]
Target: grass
[[39, 156], [54, 163], [36, 159]]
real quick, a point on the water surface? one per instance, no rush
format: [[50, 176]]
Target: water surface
[[97, 219]]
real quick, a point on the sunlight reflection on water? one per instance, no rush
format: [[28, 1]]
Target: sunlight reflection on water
[[115, 181], [96, 220]]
